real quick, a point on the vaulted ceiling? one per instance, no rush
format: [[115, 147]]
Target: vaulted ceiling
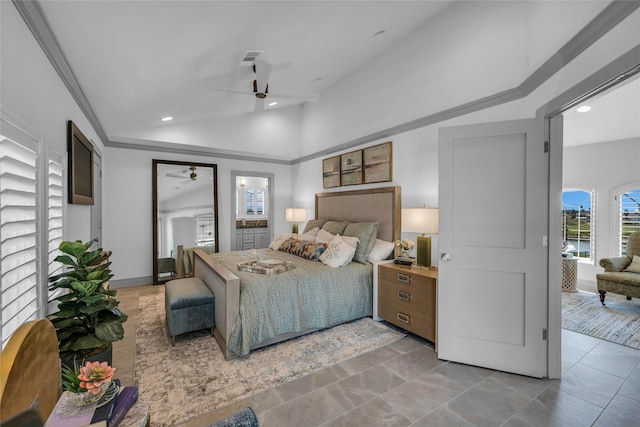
[[139, 61]]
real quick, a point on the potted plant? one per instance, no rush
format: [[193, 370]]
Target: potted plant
[[86, 384], [88, 319]]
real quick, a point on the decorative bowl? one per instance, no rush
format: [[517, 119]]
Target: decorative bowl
[[87, 397]]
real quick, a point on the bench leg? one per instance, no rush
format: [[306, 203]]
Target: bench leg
[[173, 340], [602, 296], [628, 298]]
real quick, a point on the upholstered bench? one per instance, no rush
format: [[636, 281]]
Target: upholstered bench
[[189, 306]]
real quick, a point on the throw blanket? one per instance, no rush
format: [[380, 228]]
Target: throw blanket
[[312, 295]]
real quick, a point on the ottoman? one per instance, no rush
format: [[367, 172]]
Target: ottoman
[[189, 306]]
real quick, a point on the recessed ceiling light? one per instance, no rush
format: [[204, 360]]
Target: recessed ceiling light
[[271, 104], [583, 109], [166, 119]]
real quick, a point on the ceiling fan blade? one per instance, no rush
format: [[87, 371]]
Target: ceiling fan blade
[[263, 70], [175, 175], [259, 105], [309, 97], [238, 92]]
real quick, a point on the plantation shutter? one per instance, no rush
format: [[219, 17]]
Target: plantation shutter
[[55, 218], [20, 294]]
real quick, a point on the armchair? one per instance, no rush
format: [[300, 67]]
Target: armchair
[[617, 278]]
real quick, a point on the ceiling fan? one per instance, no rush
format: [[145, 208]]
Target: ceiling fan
[[192, 176], [262, 70]]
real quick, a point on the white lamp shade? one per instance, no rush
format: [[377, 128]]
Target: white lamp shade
[[295, 215], [420, 220]]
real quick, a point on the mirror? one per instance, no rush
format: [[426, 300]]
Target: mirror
[[252, 209], [185, 215]]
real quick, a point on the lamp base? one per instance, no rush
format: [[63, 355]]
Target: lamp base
[[294, 228], [423, 251]]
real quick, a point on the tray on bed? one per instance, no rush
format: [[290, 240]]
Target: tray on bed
[[253, 267]]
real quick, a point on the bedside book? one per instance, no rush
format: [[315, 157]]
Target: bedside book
[[66, 415]]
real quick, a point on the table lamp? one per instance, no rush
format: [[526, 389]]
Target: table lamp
[[424, 221], [295, 215]]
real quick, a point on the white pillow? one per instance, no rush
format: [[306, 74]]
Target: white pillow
[[278, 241], [353, 241], [381, 251], [338, 253], [634, 267], [309, 236], [324, 236]]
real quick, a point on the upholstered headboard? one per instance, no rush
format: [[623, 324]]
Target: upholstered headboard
[[375, 204]]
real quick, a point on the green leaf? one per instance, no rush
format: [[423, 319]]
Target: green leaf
[[66, 260], [76, 248], [110, 331], [86, 342]]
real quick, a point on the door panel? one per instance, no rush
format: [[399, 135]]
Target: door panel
[[493, 224]]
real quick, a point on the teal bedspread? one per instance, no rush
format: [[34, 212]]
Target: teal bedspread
[[312, 295]]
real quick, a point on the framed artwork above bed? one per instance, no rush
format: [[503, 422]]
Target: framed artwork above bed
[[368, 165]]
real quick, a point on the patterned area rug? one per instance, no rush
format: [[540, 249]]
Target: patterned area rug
[[193, 378], [618, 321]]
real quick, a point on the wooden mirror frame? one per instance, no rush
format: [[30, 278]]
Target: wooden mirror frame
[[154, 219]]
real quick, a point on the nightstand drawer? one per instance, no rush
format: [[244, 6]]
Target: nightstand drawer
[[412, 320], [406, 296], [406, 277]]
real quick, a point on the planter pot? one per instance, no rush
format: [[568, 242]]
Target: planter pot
[[104, 356]]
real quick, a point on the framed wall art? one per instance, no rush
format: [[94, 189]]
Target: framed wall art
[[80, 174], [377, 163], [331, 172], [351, 168]]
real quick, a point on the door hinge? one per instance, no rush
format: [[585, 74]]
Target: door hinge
[[544, 335], [546, 146]]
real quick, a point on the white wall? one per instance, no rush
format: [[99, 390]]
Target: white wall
[[128, 211], [605, 167], [469, 51], [32, 90]]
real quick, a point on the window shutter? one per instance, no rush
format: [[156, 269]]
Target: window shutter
[[55, 218], [19, 234]]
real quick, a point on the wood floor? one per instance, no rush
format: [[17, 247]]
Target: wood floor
[[404, 384]]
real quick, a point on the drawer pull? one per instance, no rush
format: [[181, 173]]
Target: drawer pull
[[404, 278], [403, 296], [403, 317]]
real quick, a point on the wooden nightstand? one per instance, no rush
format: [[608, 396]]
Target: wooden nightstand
[[407, 298]]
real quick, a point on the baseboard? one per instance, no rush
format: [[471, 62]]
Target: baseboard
[[123, 283]]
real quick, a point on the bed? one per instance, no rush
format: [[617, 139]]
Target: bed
[[254, 310]]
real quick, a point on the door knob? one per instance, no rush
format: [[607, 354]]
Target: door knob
[[445, 257]]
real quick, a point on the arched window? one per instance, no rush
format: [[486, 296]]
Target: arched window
[[578, 223], [629, 216]]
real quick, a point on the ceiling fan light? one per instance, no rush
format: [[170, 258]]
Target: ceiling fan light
[[271, 104]]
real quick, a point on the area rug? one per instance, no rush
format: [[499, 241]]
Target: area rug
[[618, 321], [192, 378]]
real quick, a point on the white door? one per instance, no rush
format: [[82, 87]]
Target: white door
[[492, 280]]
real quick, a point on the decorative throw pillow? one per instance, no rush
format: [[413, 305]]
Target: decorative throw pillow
[[278, 241], [381, 250], [335, 227], [634, 267], [309, 236], [324, 237], [308, 250], [366, 232], [338, 253], [314, 223], [353, 241]]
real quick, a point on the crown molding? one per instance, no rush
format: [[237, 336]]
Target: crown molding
[[34, 18], [607, 19]]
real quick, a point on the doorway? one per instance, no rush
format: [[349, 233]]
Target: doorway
[[622, 69], [251, 210]]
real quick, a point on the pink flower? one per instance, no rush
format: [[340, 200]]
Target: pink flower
[[94, 374]]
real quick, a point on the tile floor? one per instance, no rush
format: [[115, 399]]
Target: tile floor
[[404, 384]]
